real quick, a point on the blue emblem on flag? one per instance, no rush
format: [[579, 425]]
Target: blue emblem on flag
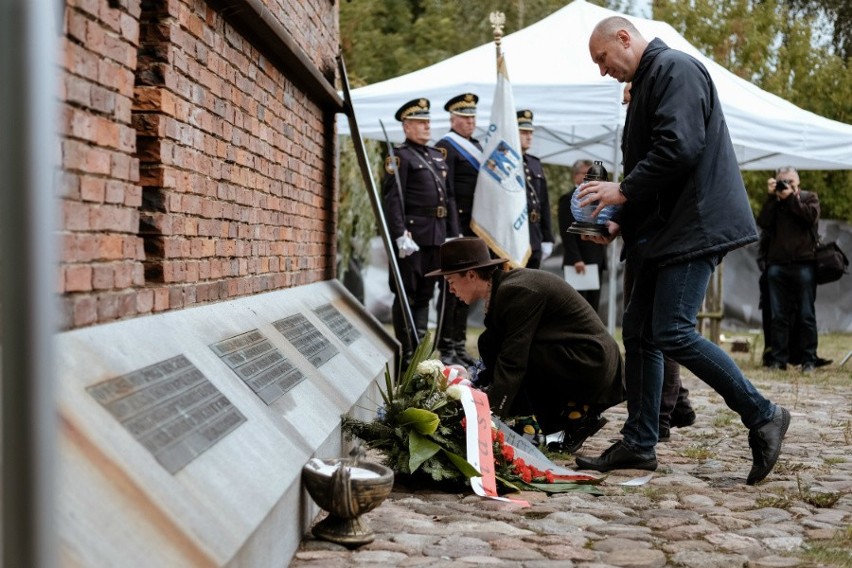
[[504, 164]]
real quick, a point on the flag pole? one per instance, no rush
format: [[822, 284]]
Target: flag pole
[[498, 20]]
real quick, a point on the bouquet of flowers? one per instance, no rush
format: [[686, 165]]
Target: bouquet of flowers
[[421, 431]]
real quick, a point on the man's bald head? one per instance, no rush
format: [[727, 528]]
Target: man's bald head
[[616, 47]]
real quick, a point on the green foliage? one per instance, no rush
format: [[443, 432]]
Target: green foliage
[[356, 222], [777, 47]]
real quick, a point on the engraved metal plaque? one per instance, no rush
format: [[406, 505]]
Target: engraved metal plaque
[[337, 323], [171, 408], [306, 338], [259, 364]]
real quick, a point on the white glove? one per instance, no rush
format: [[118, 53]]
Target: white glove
[[546, 250], [406, 245]]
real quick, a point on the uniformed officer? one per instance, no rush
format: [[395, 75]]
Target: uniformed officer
[[421, 215], [538, 202], [464, 154]]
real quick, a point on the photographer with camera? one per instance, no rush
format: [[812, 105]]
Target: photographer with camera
[[789, 220]]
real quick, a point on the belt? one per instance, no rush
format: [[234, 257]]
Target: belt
[[440, 211], [535, 216]]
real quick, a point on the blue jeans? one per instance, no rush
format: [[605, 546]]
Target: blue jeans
[[792, 295], [661, 319]]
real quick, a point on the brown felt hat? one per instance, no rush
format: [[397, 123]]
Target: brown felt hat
[[464, 253]]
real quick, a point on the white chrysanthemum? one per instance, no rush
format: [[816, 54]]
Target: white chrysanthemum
[[454, 392], [431, 367]]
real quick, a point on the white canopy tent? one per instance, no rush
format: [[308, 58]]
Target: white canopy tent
[[578, 113]]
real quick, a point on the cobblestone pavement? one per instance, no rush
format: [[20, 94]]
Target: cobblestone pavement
[[697, 511]]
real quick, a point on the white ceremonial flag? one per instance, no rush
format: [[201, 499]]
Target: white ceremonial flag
[[499, 213]]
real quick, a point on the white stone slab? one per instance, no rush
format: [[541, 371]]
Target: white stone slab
[[240, 502]]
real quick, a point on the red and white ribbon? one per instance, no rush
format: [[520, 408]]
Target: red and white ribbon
[[480, 448]]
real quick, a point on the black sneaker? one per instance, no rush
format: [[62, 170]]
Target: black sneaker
[[765, 442], [618, 456], [664, 435], [573, 438]]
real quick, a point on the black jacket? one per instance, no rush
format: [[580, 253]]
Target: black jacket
[[462, 179], [685, 194], [538, 203], [423, 175], [790, 227]]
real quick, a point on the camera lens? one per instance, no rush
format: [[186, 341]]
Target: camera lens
[[780, 185]]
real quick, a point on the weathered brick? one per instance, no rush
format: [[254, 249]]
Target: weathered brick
[[78, 278], [161, 299], [103, 277], [85, 310], [144, 301], [92, 189]]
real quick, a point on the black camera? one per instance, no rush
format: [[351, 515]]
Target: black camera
[[781, 185]]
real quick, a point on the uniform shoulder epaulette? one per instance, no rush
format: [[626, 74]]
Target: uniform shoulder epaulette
[[442, 150]]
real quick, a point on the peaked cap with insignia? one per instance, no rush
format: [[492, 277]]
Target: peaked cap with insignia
[[416, 109], [525, 120], [462, 105]]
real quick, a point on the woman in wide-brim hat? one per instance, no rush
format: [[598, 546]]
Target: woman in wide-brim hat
[[545, 351]]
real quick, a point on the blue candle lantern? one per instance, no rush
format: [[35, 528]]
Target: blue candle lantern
[[585, 223]]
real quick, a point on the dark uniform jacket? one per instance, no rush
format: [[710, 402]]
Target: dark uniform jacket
[[543, 341], [462, 178], [428, 209], [790, 227], [685, 194], [538, 203], [574, 248]]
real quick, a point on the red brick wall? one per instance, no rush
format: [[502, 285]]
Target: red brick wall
[[193, 170]]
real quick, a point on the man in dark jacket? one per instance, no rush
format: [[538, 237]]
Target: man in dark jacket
[[421, 214], [789, 219], [545, 352], [683, 206], [538, 201]]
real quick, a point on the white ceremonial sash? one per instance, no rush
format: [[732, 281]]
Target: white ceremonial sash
[[466, 148]]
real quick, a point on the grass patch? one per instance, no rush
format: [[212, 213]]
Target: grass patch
[[698, 452], [788, 467], [773, 502], [835, 552], [819, 500], [725, 418], [833, 460]]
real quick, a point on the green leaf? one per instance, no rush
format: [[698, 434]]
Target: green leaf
[[423, 421], [462, 464], [420, 449]]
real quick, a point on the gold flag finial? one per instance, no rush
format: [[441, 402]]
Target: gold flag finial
[[498, 19]]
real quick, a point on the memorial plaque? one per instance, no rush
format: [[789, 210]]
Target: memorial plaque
[[171, 408], [259, 364], [338, 324], [306, 338]]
